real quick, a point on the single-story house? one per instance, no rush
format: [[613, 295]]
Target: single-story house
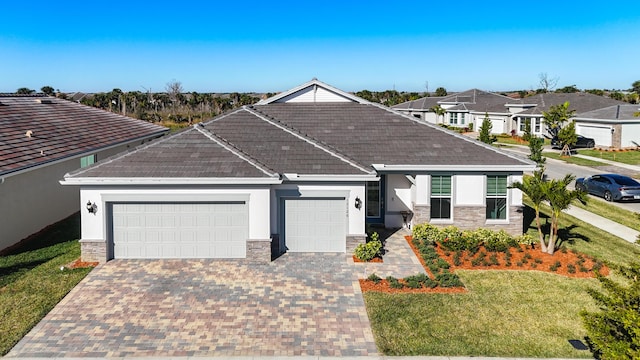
[[469, 108], [615, 126], [303, 171], [466, 109], [41, 139], [530, 109]]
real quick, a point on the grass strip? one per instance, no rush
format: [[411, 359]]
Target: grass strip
[[627, 157], [572, 159]]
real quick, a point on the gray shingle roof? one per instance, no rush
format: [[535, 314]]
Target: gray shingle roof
[[371, 134], [616, 112], [580, 102], [36, 129], [474, 100]]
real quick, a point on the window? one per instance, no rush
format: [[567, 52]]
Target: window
[[462, 118], [87, 160], [537, 122], [373, 199], [524, 123], [440, 197], [496, 197], [453, 118]]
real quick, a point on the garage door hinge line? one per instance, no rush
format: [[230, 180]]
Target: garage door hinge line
[[237, 152]]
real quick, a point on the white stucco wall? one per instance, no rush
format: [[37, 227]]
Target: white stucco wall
[[356, 221], [32, 200], [398, 198], [94, 226], [469, 190], [630, 134]]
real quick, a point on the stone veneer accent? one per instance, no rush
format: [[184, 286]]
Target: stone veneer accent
[[93, 250], [259, 251], [353, 241], [474, 217]]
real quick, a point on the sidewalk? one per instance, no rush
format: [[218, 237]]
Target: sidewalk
[[609, 162], [607, 225]]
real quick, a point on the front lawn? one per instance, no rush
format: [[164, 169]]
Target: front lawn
[[572, 159], [504, 313], [627, 157], [31, 282]]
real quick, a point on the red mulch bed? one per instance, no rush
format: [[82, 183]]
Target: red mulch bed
[[537, 262], [80, 264], [376, 259]]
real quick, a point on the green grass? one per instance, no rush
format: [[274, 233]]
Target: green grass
[[31, 282], [505, 313], [571, 159], [614, 213], [627, 157], [516, 141]]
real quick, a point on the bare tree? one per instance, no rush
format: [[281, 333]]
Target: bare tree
[[547, 84], [174, 90]]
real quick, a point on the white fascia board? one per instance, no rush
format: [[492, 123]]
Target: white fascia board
[[519, 105], [452, 168], [171, 181], [608, 121], [332, 178]]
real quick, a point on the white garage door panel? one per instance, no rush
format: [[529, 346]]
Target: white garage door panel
[[315, 225], [497, 126], [600, 134], [166, 231]]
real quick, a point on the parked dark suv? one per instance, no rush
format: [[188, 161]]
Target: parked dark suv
[[583, 142]]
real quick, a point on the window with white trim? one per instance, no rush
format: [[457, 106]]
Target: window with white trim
[[87, 160], [453, 118], [496, 197], [440, 197], [462, 118]]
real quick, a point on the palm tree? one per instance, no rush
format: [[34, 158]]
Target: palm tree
[[560, 198], [439, 112], [534, 188]]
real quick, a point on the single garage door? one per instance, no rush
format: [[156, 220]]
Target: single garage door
[[600, 134], [497, 126], [179, 230], [315, 225]]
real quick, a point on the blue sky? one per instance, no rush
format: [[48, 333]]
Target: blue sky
[[245, 46]]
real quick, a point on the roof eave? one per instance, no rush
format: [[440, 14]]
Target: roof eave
[[91, 181], [329, 178], [453, 168]]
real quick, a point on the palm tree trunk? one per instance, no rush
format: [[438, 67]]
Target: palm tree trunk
[[543, 246]]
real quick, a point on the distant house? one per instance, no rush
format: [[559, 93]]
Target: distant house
[[303, 171], [530, 109], [614, 126], [469, 108], [41, 139]]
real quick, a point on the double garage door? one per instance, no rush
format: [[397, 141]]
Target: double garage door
[[179, 230], [220, 230]]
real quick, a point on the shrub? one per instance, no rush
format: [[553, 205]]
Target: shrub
[[525, 239], [447, 279], [375, 278], [456, 258], [493, 259], [571, 269], [613, 330], [455, 240], [495, 241], [368, 251], [555, 266], [426, 233], [394, 283]]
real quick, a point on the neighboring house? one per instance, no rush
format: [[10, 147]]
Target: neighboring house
[[506, 114], [531, 108], [303, 171], [41, 139], [615, 126], [463, 110]]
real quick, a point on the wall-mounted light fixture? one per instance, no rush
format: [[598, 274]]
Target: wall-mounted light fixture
[[358, 203], [92, 208]]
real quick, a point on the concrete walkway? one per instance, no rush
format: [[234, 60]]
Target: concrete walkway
[[399, 259], [605, 224]]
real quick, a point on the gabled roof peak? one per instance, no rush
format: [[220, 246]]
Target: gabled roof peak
[[311, 92]]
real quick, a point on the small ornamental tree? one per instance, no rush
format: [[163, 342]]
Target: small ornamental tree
[[556, 117], [614, 331], [567, 136], [527, 130], [535, 150], [485, 131]]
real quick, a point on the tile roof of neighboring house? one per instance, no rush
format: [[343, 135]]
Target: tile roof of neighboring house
[[37, 129], [580, 102], [616, 112], [424, 103], [474, 100]]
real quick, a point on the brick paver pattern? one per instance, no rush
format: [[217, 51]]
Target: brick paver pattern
[[299, 304]]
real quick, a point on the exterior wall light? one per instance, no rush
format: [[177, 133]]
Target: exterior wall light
[[358, 203], [92, 208]]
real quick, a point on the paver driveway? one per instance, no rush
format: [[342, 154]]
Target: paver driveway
[[300, 304]]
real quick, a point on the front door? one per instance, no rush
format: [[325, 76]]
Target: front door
[[375, 201]]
